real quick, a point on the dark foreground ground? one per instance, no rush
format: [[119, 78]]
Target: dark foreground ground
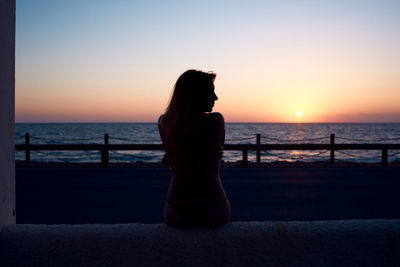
[[76, 195]]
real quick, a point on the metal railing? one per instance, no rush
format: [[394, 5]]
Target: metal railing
[[258, 147]]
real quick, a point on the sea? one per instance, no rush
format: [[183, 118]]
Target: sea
[[236, 133]]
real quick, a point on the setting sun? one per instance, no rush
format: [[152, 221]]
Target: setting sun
[[287, 56]]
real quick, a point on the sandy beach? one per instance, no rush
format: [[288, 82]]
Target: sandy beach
[[86, 193]]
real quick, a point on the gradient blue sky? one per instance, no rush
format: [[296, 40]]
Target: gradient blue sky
[[337, 61]]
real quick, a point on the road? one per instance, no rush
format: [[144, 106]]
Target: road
[[125, 195]]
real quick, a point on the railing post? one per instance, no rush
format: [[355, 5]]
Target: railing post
[[258, 141], [104, 153], [27, 150], [332, 148], [384, 157], [245, 158]]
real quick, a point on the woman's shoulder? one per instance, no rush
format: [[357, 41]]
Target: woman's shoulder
[[215, 121], [160, 124], [215, 117], [161, 118]]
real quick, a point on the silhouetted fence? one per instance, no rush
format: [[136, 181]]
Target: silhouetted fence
[[258, 147]]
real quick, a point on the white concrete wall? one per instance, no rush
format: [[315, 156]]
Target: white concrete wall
[[7, 84], [318, 243]]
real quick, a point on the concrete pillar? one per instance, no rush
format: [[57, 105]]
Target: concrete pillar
[[7, 84]]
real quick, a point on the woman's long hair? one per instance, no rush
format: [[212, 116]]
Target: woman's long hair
[[186, 102]]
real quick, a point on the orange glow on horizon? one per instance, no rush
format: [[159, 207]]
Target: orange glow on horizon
[[336, 61]]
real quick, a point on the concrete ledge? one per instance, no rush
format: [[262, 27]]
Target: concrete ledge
[[316, 243]]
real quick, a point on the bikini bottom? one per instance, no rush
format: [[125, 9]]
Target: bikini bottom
[[198, 215]]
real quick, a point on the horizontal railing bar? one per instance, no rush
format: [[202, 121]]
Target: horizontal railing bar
[[90, 147], [20, 147], [311, 146]]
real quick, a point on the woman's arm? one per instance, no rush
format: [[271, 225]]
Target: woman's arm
[[160, 130], [220, 125]]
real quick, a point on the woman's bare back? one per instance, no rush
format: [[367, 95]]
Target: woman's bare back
[[195, 167]]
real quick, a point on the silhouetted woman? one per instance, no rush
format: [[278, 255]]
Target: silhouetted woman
[[193, 137]]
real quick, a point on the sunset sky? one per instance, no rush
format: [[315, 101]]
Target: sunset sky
[[117, 61]]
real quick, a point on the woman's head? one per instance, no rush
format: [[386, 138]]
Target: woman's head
[[193, 94]]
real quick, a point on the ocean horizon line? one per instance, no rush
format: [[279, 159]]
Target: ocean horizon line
[[149, 122], [236, 133]]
